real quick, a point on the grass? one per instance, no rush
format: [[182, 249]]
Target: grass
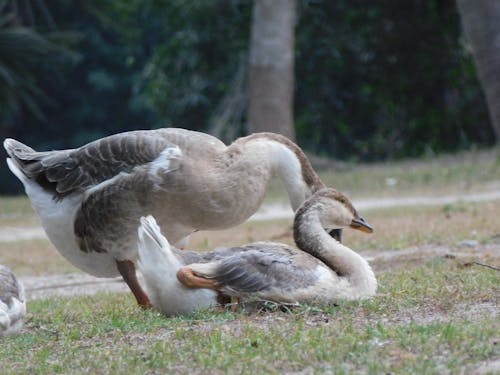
[[395, 228], [460, 173], [435, 312], [414, 325], [34, 257], [17, 211]]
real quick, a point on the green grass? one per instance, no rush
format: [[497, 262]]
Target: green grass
[[418, 323], [459, 173], [15, 206]]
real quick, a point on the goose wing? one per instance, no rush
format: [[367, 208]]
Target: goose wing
[[263, 269], [66, 171], [9, 286], [112, 208]]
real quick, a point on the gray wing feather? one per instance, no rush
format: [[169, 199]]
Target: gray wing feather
[[257, 270], [96, 219], [66, 171]]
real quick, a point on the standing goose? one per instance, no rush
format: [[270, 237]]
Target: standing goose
[[90, 199], [322, 271], [12, 303]]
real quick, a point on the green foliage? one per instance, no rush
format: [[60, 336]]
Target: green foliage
[[21, 49], [381, 80], [190, 51], [374, 80]]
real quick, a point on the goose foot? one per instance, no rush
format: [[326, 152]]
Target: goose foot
[[223, 301], [127, 270], [235, 303]]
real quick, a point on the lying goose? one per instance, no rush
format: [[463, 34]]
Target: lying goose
[[12, 303], [322, 272], [90, 199]]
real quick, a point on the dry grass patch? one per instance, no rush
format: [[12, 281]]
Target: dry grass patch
[[399, 228], [472, 171], [395, 228], [466, 172], [34, 257], [17, 211]]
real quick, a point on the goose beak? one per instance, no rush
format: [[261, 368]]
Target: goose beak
[[360, 224]]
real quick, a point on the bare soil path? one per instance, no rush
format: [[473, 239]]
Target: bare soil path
[[284, 211]]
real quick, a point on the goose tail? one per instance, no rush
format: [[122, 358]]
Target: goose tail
[[19, 158], [154, 249]]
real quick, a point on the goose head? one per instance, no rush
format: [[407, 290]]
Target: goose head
[[333, 210]]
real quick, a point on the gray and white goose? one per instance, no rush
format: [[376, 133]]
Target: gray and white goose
[[90, 199], [321, 271], [12, 303]]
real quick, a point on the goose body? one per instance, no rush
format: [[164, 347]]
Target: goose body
[[12, 303], [90, 199], [320, 271]]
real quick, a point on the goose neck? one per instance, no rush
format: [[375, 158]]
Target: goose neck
[[310, 237], [290, 164]]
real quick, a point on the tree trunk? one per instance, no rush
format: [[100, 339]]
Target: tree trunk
[[271, 67], [481, 22]]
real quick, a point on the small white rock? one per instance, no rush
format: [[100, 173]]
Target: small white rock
[[468, 243]]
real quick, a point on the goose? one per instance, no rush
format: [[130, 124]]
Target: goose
[[320, 271], [12, 303], [90, 199]]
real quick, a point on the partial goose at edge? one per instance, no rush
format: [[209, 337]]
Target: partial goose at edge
[[12, 303]]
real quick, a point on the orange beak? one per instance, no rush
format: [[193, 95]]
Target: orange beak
[[360, 224]]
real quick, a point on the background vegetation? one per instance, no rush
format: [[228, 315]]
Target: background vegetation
[[374, 80]]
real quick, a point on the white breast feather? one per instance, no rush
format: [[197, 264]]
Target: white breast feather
[[57, 218]]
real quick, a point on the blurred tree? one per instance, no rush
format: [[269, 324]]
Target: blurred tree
[[481, 21], [382, 80], [271, 67], [32, 52], [187, 53]]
